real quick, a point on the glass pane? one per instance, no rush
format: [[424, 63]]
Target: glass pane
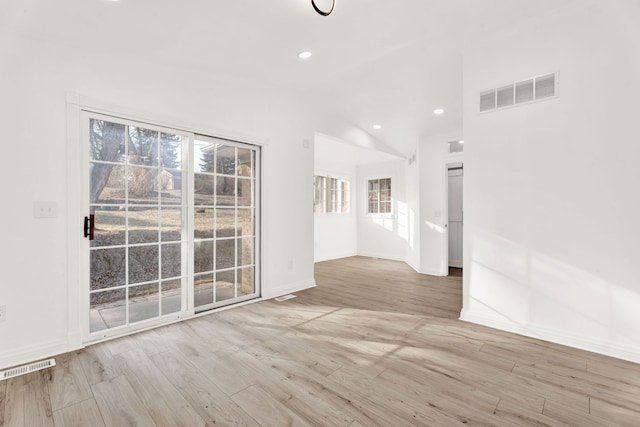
[[203, 223], [109, 226], [225, 191], [170, 187], [203, 256], [204, 156], [245, 281], [171, 296], [225, 285], [245, 162], [143, 264], [245, 251], [345, 197], [225, 222], [244, 192], [143, 146], [226, 160], [203, 289], [225, 254], [142, 185], [108, 268], [143, 225], [245, 222], [107, 183], [171, 260], [332, 195], [203, 190], [144, 302], [318, 197], [106, 141], [107, 309], [170, 151], [171, 224]]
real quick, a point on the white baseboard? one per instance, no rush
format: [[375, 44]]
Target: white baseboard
[[380, 255], [296, 287], [346, 255], [416, 268], [431, 272], [618, 351], [28, 354]]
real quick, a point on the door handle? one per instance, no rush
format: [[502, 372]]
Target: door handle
[[89, 226]]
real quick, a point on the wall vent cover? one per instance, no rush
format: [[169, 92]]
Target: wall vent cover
[[522, 92], [26, 369], [456, 147]]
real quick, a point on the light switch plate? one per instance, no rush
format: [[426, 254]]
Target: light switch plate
[[45, 209]]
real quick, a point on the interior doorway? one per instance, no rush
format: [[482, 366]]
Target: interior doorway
[[455, 218]]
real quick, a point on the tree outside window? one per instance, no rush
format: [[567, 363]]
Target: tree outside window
[[379, 196]]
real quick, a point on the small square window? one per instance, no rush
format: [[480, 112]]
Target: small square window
[[331, 195], [379, 196]]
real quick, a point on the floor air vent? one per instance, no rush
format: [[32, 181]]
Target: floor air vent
[[21, 370], [285, 297]]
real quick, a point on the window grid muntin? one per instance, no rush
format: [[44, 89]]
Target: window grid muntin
[[236, 207], [331, 195], [379, 196], [123, 161]]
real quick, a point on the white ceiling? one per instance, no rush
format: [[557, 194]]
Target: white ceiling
[[374, 62], [329, 151]]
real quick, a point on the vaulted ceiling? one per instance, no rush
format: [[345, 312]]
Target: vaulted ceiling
[[374, 62]]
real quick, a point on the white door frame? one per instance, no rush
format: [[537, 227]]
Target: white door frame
[[77, 327], [451, 160]]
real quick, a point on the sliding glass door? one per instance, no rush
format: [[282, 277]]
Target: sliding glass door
[[171, 224], [225, 226]]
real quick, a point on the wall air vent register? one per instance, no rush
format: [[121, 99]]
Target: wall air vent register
[[533, 89]]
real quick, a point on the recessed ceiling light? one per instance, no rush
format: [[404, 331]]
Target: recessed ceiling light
[[461, 142], [438, 111], [304, 55], [377, 127]]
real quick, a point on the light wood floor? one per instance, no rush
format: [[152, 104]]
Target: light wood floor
[[375, 344]]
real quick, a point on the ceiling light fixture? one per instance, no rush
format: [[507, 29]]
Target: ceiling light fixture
[[304, 55], [324, 7], [377, 127], [461, 142], [438, 111]]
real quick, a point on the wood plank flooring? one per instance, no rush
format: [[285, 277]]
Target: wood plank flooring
[[375, 344]]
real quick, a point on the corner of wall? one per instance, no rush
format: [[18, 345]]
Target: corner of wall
[[289, 289]]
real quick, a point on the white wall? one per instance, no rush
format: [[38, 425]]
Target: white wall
[[335, 235], [38, 274], [551, 188], [413, 211], [384, 235]]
